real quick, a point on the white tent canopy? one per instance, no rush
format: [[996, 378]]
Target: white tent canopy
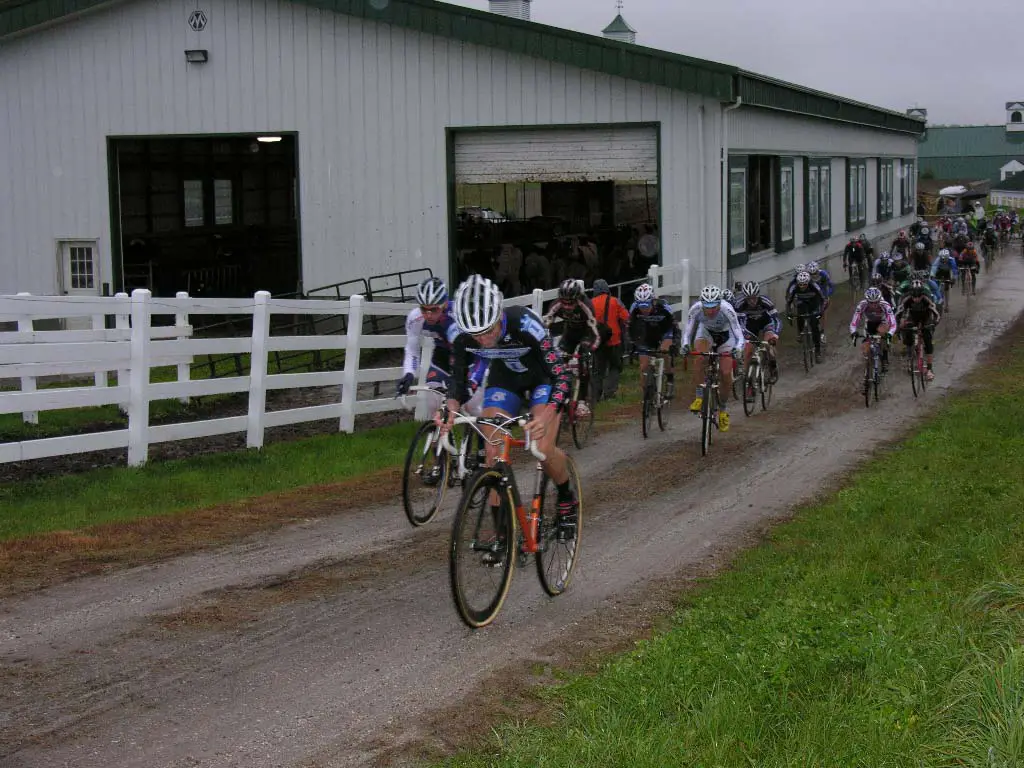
[[959, 189]]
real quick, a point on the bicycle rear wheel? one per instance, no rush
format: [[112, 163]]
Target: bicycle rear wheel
[[662, 404], [807, 346], [868, 377], [421, 501], [706, 424], [766, 388], [482, 549], [913, 372], [557, 554], [647, 406]]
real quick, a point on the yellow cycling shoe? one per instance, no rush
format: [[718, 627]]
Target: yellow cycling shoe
[[696, 404], [723, 421]]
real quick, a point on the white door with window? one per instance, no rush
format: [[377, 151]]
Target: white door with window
[[79, 275]]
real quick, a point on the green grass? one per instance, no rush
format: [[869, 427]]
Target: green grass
[[882, 628], [120, 494]]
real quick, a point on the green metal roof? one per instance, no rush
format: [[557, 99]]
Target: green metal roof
[[618, 24], [970, 141], [965, 168], [528, 38]]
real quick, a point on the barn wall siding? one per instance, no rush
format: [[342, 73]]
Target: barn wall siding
[[370, 103]]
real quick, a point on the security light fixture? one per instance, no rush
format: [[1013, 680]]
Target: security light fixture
[[200, 56], [268, 139]]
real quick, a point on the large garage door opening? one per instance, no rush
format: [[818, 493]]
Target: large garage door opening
[[214, 216], [536, 206]]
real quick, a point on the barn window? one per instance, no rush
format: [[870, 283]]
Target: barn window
[[193, 192], [817, 199], [856, 197], [82, 269], [885, 178], [1016, 117], [222, 201]]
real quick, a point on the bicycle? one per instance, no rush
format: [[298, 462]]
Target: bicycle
[[968, 280], [712, 401], [581, 365], [435, 465], [917, 367], [757, 378], [806, 339], [873, 368], [855, 270], [654, 398], [947, 291]]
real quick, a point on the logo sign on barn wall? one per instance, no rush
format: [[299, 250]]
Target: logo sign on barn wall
[[197, 20]]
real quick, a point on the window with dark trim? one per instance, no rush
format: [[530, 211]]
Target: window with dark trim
[[856, 194], [885, 177], [817, 199], [760, 214], [908, 186]]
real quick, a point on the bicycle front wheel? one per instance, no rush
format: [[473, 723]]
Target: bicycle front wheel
[[558, 548], [750, 381], [582, 426], [706, 423], [482, 552], [647, 407], [662, 409], [424, 476]]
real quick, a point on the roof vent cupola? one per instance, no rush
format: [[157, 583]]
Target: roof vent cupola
[[1015, 116], [516, 9], [619, 29]]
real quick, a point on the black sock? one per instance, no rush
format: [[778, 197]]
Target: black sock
[[564, 492]]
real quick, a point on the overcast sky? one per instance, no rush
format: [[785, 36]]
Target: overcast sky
[[890, 53]]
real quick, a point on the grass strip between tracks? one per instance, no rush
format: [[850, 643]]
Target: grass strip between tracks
[[98, 497], [881, 627]]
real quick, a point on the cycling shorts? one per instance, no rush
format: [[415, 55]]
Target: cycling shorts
[[508, 390], [719, 340]]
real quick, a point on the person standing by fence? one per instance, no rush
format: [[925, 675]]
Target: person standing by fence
[[612, 321]]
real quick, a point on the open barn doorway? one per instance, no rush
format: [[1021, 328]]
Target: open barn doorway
[[211, 215]]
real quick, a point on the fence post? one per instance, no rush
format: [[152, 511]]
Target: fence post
[[28, 383], [258, 370], [349, 383], [652, 277], [422, 399], [121, 323], [99, 323], [138, 377], [538, 301], [184, 369]]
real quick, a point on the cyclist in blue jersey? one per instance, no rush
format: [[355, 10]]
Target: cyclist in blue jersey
[[652, 325]]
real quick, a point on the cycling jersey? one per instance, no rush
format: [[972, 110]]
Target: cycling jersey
[[900, 271], [900, 246], [873, 314], [524, 353], [649, 330], [760, 317], [917, 312], [853, 252], [883, 267], [443, 333], [723, 327], [931, 287], [824, 281], [577, 315], [808, 299], [944, 268], [968, 257]]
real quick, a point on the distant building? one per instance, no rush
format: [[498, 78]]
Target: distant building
[[962, 152], [1008, 193]]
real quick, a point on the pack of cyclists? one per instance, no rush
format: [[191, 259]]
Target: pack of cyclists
[[495, 359]]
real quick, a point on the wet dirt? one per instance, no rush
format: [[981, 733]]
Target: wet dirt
[[332, 641]]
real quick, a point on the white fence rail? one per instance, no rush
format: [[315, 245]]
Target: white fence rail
[[134, 346]]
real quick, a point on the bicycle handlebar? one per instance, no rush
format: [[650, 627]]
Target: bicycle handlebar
[[502, 423]]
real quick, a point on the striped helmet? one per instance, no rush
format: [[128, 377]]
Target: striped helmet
[[432, 292], [477, 304]]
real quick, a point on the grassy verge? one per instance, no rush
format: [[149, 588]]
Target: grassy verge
[[120, 494], [882, 628]]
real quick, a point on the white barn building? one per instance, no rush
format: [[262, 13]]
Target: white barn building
[[236, 145]]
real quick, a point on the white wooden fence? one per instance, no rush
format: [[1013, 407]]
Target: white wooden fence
[[135, 346]]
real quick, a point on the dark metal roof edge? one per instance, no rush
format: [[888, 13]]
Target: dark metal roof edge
[[878, 117]]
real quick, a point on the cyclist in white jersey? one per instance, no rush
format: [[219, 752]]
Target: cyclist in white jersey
[[712, 322]]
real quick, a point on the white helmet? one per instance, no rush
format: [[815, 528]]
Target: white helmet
[[873, 295], [711, 296], [644, 294], [800, 268], [803, 278], [431, 292], [813, 267], [751, 289], [477, 304], [944, 253], [728, 295]]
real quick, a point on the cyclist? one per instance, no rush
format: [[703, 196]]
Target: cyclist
[[879, 282], [925, 238], [869, 249], [809, 300], [653, 326], [760, 319], [579, 326], [432, 318], [713, 322], [901, 244], [900, 271], [919, 257], [968, 259], [944, 269], [882, 266], [525, 365], [729, 296], [855, 253], [878, 318], [917, 309], [824, 281]]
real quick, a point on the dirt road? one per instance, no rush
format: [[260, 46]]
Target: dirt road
[[334, 642]]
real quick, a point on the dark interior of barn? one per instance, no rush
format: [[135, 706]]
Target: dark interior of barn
[[213, 216]]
